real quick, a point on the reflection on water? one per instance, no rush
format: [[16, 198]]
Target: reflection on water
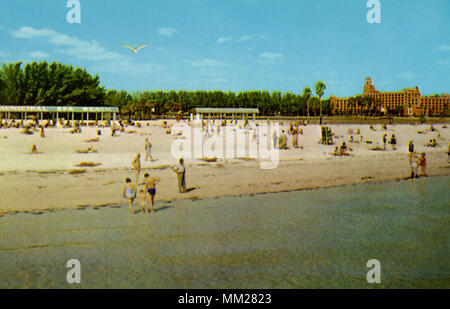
[[308, 239]]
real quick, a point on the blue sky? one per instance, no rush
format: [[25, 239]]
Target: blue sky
[[238, 45]]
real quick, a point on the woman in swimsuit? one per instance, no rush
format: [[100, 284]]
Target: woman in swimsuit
[[150, 187], [129, 192]]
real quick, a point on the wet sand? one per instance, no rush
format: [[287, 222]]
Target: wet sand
[[319, 238]]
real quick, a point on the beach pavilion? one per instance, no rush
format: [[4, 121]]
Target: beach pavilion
[[51, 112], [223, 112]]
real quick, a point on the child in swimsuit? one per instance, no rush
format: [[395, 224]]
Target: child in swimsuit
[[423, 164], [129, 192], [143, 200]]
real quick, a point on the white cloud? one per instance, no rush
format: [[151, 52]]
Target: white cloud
[[206, 62], [166, 31], [406, 75], [444, 47], [28, 33], [128, 67], [71, 46], [270, 56], [105, 61], [240, 38], [37, 54], [219, 80]]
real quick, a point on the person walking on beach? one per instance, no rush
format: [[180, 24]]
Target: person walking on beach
[[42, 131], [150, 188], [411, 156], [113, 130], [129, 192], [181, 176], [384, 141], [393, 142], [275, 139], [136, 163], [148, 150], [295, 137]]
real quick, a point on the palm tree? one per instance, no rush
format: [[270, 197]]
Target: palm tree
[[307, 95], [320, 89]]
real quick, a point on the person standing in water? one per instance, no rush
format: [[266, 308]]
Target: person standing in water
[[413, 166], [181, 176], [143, 200], [422, 162]]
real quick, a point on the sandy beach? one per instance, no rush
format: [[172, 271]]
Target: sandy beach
[[51, 180]]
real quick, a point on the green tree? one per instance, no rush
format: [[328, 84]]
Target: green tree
[[307, 95], [39, 83], [320, 90]]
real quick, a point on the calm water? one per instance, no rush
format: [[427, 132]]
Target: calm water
[[309, 239]]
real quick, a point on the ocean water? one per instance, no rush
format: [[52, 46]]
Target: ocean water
[[306, 239]]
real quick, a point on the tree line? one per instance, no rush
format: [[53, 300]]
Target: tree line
[[52, 84], [56, 84]]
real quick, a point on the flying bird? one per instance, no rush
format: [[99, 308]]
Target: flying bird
[[135, 49]]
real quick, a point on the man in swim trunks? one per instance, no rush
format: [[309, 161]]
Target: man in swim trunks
[[150, 188]]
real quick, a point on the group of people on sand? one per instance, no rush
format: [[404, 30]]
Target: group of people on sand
[[416, 162], [342, 150], [295, 131], [146, 194], [392, 141]]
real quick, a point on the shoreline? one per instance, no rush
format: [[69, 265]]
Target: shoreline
[[194, 198]]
